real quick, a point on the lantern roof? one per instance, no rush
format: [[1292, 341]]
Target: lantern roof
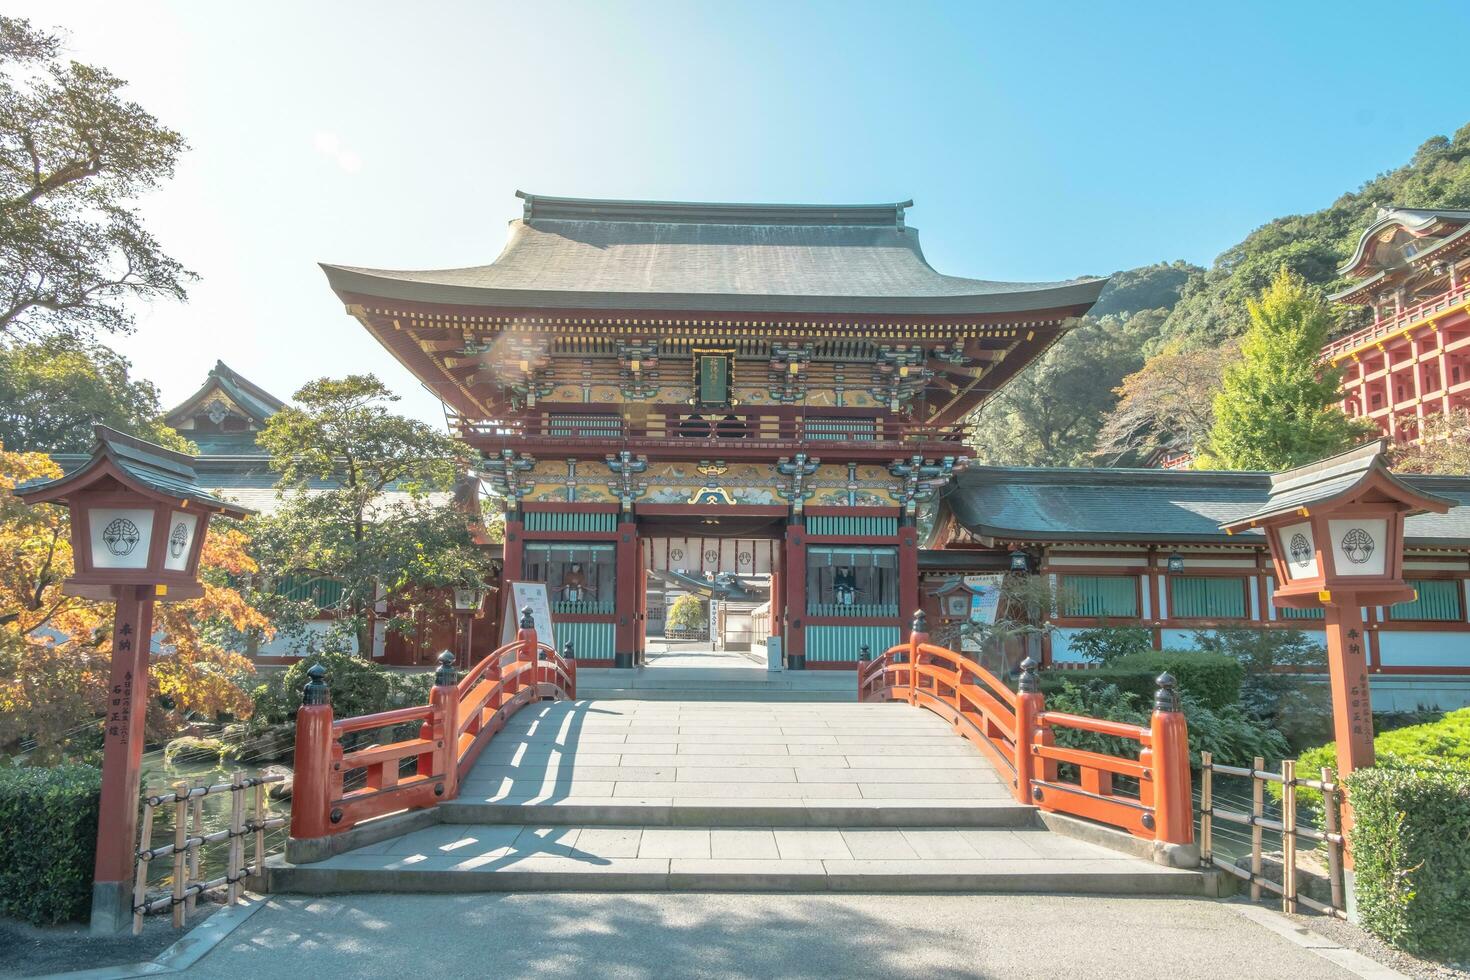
[[142, 466], [1358, 474]]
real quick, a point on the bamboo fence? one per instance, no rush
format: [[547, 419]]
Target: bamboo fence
[[187, 849], [1294, 833]]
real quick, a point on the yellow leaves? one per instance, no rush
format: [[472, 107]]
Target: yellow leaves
[[56, 651]]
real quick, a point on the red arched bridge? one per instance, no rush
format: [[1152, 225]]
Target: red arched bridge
[[508, 781]]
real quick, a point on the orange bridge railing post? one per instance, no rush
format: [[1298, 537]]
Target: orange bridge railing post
[[444, 727], [569, 659], [1173, 803], [528, 654], [1029, 705], [311, 793], [919, 634]]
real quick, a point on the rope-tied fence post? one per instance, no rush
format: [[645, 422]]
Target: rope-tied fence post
[[190, 839]]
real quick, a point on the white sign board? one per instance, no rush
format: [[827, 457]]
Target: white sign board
[[984, 597], [535, 595], [1361, 546], [120, 536], [714, 624], [180, 540], [1299, 544]]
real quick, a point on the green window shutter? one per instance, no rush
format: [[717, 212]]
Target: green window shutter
[[1438, 601], [1284, 613], [1202, 597], [1113, 596]]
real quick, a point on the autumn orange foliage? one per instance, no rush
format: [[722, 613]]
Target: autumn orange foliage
[[55, 650]]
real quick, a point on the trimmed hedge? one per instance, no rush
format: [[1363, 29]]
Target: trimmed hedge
[[1411, 849], [1442, 744], [1212, 679], [49, 843]]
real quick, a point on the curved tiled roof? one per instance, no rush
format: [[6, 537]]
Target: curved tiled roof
[[1141, 505], [646, 255], [1415, 220]]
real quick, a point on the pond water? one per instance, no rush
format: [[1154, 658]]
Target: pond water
[[160, 777]]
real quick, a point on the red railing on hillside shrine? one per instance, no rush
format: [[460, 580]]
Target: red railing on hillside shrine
[[1394, 322], [462, 715], [1013, 728]]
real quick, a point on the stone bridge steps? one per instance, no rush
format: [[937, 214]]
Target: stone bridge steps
[[509, 857], [609, 795]]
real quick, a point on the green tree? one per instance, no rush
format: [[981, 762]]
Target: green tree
[[1049, 414], [1168, 404], [53, 389], [1278, 406], [1442, 445], [1212, 306], [687, 613], [366, 501], [73, 156]]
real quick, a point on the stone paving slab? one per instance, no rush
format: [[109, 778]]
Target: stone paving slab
[[678, 754], [529, 858]]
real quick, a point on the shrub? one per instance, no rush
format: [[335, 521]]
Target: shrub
[[1438, 745], [687, 613], [1226, 731], [1284, 686], [1409, 845], [50, 841], [359, 686], [1210, 678], [1106, 644]]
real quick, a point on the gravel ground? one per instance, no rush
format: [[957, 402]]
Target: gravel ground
[[667, 936], [1354, 938], [28, 951]]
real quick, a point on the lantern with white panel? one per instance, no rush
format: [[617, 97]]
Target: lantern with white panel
[[1336, 533], [138, 523]]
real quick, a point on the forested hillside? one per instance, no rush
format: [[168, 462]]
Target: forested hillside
[[1053, 412]]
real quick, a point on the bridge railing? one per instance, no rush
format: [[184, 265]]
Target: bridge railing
[[1148, 796], [335, 789]]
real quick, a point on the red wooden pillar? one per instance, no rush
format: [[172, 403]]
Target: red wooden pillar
[[122, 760], [1352, 709], [793, 567], [625, 633], [513, 564], [778, 603], [908, 568]]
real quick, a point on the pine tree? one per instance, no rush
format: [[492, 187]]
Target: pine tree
[[1278, 407]]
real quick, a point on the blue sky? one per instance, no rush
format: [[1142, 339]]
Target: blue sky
[[1039, 141]]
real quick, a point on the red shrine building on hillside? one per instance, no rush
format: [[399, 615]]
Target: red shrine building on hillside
[[1413, 359], [760, 395]]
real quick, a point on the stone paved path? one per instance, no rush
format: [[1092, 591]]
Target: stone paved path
[[643, 937], [730, 753]]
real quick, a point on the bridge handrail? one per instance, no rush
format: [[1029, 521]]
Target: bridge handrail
[[462, 715], [1016, 732]]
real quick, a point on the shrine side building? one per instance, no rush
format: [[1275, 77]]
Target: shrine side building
[[713, 390]]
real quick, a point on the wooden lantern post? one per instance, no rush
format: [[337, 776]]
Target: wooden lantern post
[[468, 601], [1336, 533], [138, 522]]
